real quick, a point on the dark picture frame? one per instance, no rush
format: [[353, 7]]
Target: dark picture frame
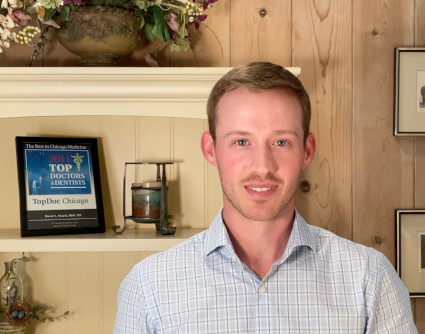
[[409, 92], [59, 186], [410, 234]]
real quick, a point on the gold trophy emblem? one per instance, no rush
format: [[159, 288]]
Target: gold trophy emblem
[[78, 159]]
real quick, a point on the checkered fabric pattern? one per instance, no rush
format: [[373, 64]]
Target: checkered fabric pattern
[[322, 284]]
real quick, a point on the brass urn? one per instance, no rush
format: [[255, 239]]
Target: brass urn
[[100, 34]]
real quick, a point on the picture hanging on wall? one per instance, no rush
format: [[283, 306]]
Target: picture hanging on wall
[[59, 186], [409, 108], [411, 250]]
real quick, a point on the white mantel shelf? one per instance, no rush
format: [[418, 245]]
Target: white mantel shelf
[[130, 240], [104, 91]]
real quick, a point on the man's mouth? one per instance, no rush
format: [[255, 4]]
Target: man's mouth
[[259, 190]]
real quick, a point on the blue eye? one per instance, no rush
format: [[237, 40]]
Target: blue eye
[[281, 142], [241, 142]]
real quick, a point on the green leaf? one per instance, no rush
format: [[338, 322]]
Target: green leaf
[[65, 12], [66, 313], [49, 14], [148, 31], [99, 2], [50, 319], [174, 47], [116, 3], [160, 29], [183, 31], [142, 21], [181, 44]]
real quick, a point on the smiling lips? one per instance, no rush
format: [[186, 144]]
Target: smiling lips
[[261, 192]]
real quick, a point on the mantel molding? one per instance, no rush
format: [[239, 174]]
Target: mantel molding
[[128, 91]]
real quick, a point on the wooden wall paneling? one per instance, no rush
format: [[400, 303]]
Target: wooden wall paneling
[[9, 197], [213, 190], [188, 193], [47, 126], [116, 265], [418, 315], [419, 303], [45, 280], [143, 255], [153, 143], [83, 126], [19, 55], [49, 285], [383, 167], [257, 38], [85, 284], [420, 173], [118, 145], [322, 47], [420, 141], [208, 40]]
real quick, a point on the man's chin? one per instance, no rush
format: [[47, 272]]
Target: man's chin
[[263, 214]]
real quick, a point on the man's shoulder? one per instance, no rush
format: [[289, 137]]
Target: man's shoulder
[[178, 257], [331, 244]]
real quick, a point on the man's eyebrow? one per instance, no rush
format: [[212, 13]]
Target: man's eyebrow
[[237, 132], [283, 132], [246, 133]]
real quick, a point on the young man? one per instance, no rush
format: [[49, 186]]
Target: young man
[[260, 268]]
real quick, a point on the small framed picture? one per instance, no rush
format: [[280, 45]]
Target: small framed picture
[[411, 250], [59, 186], [409, 97]]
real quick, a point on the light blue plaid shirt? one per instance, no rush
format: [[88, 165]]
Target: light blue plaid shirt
[[322, 284]]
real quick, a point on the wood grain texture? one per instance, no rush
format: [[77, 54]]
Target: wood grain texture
[[19, 55], [419, 303], [322, 47], [420, 173], [420, 141], [256, 38], [418, 315], [211, 42], [383, 165]]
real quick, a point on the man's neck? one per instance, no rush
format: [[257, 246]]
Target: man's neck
[[259, 244]]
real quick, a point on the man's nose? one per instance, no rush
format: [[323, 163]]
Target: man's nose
[[263, 161]]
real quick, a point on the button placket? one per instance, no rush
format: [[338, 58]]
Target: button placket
[[262, 289]]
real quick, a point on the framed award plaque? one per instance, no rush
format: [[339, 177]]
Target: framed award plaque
[[59, 186]]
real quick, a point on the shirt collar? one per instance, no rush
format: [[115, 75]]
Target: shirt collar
[[217, 236]]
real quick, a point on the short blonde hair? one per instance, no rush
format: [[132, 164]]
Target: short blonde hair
[[257, 76]]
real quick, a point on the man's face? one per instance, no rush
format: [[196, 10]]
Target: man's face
[[259, 152]]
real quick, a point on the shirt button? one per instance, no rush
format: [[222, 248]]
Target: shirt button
[[262, 289], [233, 258]]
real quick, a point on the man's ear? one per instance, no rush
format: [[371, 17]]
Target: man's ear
[[208, 148], [310, 150]]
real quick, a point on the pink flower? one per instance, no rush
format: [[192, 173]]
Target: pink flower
[[65, 2], [173, 24], [76, 2], [18, 16]]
